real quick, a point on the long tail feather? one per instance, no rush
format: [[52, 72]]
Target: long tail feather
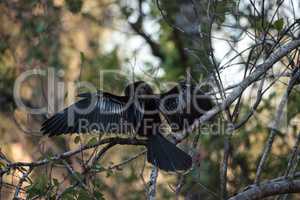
[[165, 155]]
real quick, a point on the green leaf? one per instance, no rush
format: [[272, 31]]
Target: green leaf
[[74, 5], [98, 168], [38, 187], [82, 57], [92, 141], [77, 177], [41, 27], [278, 24], [258, 25], [68, 194], [83, 195], [77, 139], [97, 183], [98, 195], [109, 173], [55, 182], [2, 164]]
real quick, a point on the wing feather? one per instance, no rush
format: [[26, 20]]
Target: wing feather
[[102, 112]]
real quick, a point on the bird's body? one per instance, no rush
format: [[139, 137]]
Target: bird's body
[[138, 111]]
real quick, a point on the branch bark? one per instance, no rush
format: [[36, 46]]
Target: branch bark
[[271, 188]]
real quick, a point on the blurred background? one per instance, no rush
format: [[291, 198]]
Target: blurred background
[[156, 41]]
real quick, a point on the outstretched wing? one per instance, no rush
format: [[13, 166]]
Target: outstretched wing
[[102, 112], [183, 104]]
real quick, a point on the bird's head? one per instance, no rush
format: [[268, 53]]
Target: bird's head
[[138, 88]]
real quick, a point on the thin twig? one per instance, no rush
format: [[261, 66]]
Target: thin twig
[[117, 166], [275, 126], [224, 167], [21, 181], [152, 183]]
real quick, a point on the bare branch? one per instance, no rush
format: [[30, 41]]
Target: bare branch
[[152, 183], [275, 125], [256, 74], [224, 167], [292, 164], [117, 166]]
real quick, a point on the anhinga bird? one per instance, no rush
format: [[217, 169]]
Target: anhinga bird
[[138, 111]]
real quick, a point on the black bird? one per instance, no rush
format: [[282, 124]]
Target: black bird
[[138, 112]]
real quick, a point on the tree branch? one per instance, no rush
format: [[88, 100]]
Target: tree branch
[[271, 188], [114, 140], [152, 183], [275, 125], [256, 74]]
